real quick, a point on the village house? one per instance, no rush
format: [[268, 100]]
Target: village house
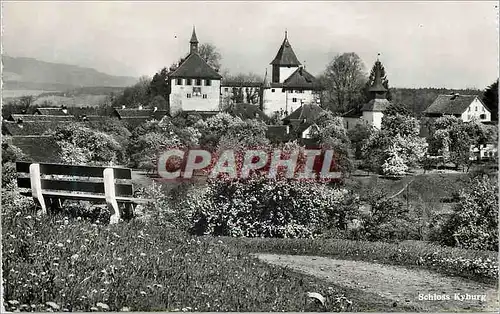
[[465, 107], [194, 85]]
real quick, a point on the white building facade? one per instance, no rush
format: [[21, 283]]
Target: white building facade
[[194, 85]]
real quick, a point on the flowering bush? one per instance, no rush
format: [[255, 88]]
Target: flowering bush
[[474, 221], [394, 165], [258, 207], [80, 144]]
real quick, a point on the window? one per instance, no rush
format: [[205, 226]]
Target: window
[[208, 83], [476, 108], [188, 95], [272, 90], [189, 82], [347, 126], [470, 109], [294, 99], [204, 96], [179, 81], [482, 109], [226, 89], [198, 82], [283, 90], [482, 116], [196, 91]]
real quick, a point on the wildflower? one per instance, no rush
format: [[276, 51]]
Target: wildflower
[[124, 309], [143, 292], [13, 302], [60, 244], [28, 217], [143, 254], [74, 256], [94, 309]]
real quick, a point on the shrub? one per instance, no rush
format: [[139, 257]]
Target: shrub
[[474, 221], [80, 144], [257, 207], [388, 220]]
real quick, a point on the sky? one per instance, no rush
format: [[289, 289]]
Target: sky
[[422, 44]]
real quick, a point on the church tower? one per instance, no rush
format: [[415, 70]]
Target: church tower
[[373, 111], [193, 42], [285, 62]]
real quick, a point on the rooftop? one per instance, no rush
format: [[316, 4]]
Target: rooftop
[[450, 104], [285, 55]]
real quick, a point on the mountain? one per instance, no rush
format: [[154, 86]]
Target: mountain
[[33, 74]]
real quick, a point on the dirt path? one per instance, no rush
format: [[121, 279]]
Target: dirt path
[[396, 284]]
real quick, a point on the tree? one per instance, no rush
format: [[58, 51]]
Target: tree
[[26, 101], [135, 95], [474, 221], [371, 79], [333, 135], [358, 135], [210, 54], [397, 146], [490, 99], [159, 85], [344, 80], [395, 108]]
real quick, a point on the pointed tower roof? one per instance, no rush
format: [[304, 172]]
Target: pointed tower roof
[[285, 55], [194, 39], [266, 82], [377, 86]]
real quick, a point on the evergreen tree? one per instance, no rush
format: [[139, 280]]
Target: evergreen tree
[[159, 84], [490, 99], [371, 78]]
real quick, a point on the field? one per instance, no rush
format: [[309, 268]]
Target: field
[[8, 94]]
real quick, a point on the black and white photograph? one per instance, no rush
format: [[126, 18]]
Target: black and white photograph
[[249, 156]]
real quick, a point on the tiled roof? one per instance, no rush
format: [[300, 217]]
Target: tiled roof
[[28, 127], [39, 117], [285, 55], [133, 113], [50, 111], [376, 104], [309, 112], [450, 104], [247, 111], [301, 79], [195, 67]]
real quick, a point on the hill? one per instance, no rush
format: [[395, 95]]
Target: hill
[[32, 74]]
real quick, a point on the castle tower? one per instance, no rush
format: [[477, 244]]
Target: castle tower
[[285, 62]]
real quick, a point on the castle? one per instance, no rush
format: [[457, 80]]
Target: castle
[[195, 86]]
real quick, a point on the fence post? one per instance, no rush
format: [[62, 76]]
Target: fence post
[[36, 186], [109, 191]]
